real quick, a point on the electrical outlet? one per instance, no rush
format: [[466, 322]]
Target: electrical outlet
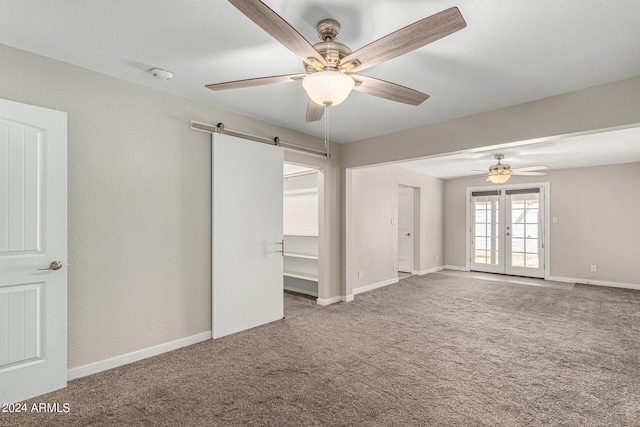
[[395, 267], [437, 257], [594, 268], [359, 274], [394, 221]]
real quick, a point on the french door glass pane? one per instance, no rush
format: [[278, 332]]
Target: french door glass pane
[[533, 261], [486, 229], [525, 213]]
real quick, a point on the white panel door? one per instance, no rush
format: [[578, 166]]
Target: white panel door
[[247, 234], [33, 237], [405, 229]]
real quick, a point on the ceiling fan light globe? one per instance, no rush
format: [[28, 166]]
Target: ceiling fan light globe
[[499, 176], [328, 87]]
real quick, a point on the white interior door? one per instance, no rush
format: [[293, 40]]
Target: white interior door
[[247, 234], [33, 234], [405, 229]]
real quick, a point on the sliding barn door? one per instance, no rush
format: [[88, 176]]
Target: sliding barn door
[[247, 234], [33, 251]]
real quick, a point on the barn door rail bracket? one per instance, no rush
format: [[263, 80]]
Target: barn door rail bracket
[[219, 128]]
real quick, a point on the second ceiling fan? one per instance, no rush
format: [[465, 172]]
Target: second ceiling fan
[[330, 65]]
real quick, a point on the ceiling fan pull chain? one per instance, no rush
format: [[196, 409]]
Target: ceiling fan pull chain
[[326, 128]]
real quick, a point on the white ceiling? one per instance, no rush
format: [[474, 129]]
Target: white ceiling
[[512, 51]]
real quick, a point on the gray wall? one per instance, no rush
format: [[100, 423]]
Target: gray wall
[[600, 107], [139, 204], [374, 240], [597, 209]]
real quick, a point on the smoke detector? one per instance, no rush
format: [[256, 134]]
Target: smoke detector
[[161, 74]]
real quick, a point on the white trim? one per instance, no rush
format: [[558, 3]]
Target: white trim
[[114, 362], [431, 270], [347, 298], [328, 301], [456, 268], [595, 282], [375, 286]]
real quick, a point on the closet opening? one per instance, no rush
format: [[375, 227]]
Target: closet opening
[[301, 229]]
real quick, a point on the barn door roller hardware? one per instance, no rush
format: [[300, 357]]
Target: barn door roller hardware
[[219, 128]]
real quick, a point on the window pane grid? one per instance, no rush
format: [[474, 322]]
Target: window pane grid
[[486, 229], [525, 211]]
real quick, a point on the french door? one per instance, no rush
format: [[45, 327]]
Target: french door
[[507, 231]]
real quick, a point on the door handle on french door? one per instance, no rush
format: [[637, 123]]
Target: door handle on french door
[[55, 265]]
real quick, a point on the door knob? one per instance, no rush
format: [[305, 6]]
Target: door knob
[[408, 234], [55, 265]]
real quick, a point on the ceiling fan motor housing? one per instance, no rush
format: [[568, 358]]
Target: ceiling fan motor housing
[[331, 50], [499, 168]]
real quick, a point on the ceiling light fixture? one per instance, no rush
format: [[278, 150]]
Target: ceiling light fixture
[[499, 176], [328, 88], [499, 173]]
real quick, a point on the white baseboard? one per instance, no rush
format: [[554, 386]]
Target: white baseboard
[[114, 362], [375, 286], [329, 301], [455, 267], [594, 282], [431, 270]]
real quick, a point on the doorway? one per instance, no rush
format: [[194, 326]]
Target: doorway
[[301, 229], [508, 230], [405, 229]]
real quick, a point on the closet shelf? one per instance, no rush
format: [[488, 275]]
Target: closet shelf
[[303, 256], [299, 275]]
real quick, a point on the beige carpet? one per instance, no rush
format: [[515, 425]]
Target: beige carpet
[[431, 350]]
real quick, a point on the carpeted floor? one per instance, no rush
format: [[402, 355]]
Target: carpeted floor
[[431, 350]]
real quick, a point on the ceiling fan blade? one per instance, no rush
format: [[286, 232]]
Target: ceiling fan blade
[[530, 168], [388, 90], [405, 40], [314, 111], [260, 81], [280, 30], [528, 173]]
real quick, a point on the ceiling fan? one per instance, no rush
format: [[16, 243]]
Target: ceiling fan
[[501, 172], [329, 65]]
